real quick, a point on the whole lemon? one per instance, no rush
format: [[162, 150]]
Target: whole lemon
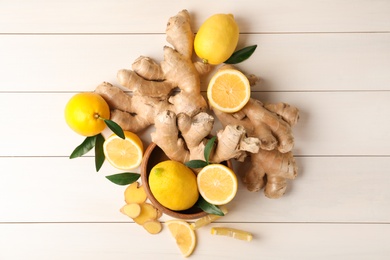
[[217, 39], [84, 113], [173, 185]]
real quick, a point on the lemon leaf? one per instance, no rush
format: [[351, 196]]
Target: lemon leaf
[[115, 128], [99, 154], [124, 178], [207, 150], [241, 55], [196, 164], [208, 207], [84, 147]]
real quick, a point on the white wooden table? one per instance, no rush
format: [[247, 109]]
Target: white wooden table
[[331, 59]]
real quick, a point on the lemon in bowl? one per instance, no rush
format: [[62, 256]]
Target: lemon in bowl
[[174, 185], [154, 155]]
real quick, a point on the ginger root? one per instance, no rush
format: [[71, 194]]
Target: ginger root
[[184, 138], [274, 163], [167, 94], [173, 84]]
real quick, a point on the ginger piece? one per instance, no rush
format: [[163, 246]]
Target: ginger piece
[[209, 218], [153, 85], [148, 212], [232, 232], [184, 138], [131, 210], [272, 125], [135, 193], [153, 226], [144, 214]]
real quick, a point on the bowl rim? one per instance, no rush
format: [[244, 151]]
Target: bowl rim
[[144, 178]]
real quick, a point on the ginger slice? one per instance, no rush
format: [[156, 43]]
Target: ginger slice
[[135, 193], [153, 226], [131, 210], [148, 212], [203, 221]]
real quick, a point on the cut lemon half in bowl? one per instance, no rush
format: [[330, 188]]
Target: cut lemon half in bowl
[[184, 236], [217, 184], [124, 154], [228, 90]]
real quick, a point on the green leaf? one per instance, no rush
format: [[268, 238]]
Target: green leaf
[[209, 208], [99, 154], [196, 164], [241, 55], [207, 150], [84, 147], [124, 178], [115, 128]]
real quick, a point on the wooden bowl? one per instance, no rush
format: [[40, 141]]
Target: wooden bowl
[[153, 155]]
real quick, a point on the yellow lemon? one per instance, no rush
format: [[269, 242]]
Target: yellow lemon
[[84, 113], [125, 153], [217, 39], [217, 184], [184, 236], [173, 185], [228, 90]]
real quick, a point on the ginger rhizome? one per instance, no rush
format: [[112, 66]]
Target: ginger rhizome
[[168, 95], [184, 138], [173, 84], [272, 125]]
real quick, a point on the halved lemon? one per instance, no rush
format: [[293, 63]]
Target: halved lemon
[[125, 153], [228, 90], [183, 234], [217, 184]]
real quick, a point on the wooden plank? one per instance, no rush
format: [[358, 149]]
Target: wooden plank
[[288, 62], [331, 123], [327, 189], [117, 241], [143, 17]]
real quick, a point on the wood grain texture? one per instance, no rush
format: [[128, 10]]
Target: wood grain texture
[[327, 189], [331, 59], [120, 16], [117, 241], [331, 123], [285, 62]]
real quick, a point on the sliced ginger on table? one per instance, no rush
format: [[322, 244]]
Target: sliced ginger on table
[[142, 212]]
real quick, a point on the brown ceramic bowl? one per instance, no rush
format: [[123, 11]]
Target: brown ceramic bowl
[[153, 155]]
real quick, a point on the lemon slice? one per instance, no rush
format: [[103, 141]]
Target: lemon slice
[[232, 232], [228, 90], [184, 236], [125, 153], [217, 184]]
